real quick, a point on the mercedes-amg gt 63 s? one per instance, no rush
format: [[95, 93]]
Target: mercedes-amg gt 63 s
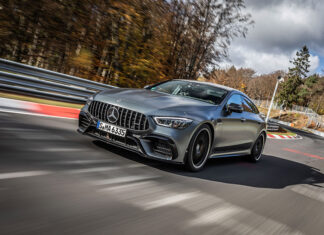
[[179, 121]]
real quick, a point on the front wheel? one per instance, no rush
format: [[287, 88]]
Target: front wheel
[[199, 148], [257, 149]]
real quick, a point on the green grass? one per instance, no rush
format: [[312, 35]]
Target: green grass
[[39, 100]]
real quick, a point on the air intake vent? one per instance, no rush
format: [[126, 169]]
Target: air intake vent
[[83, 122], [127, 118]]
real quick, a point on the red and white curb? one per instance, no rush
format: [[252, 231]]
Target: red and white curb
[[25, 107], [286, 137]]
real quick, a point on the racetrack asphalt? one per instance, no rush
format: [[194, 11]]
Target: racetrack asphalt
[[56, 181]]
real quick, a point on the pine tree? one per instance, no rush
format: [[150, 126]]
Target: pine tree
[[290, 89], [305, 91], [301, 64]]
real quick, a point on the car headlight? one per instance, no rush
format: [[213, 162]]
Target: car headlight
[[89, 100], [173, 122]]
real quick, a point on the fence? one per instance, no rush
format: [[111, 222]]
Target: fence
[[45, 83], [313, 117]]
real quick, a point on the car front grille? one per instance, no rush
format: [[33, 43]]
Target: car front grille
[[127, 118]]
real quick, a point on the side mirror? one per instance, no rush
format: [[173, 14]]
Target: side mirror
[[147, 87], [232, 107]]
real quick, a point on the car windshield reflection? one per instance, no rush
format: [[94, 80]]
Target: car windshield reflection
[[192, 90]]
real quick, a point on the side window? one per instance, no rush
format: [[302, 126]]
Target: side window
[[248, 106], [255, 109], [236, 99]]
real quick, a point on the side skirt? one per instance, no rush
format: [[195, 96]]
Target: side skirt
[[232, 148], [213, 156]]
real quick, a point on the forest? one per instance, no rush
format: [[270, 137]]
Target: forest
[[132, 43], [128, 43]]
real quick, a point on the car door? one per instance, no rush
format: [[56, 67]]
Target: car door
[[253, 120], [233, 137]]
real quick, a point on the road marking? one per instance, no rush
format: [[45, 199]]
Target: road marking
[[98, 169], [125, 179], [284, 137], [205, 209], [56, 111], [170, 200], [17, 104], [21, 174], [129, 187], [33, 114], [309, 191], [94, 169], [218, 214], [58, 149], [302, 153], [238, 220], [71, 162]]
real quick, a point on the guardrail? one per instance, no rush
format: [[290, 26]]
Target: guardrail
[[272, 126], [44, 83], [319, 133]]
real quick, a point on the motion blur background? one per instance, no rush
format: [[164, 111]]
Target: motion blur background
[[132, 43], [53, 180]]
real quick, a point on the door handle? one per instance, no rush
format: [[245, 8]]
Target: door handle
[[243, 120]]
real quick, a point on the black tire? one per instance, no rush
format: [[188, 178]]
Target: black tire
[[199, 148], [257, 149]]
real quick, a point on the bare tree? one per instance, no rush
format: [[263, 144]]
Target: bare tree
[[201, 32]]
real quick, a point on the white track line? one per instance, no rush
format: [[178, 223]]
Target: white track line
[[129, 187], [215, 215], [21, 174], [204, 209], [312, 192], [94, 169], [59, 150], [170, 200], [77, 162], [99, 169], [125, 179]]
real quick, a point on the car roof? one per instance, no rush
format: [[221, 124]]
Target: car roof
[[211, 84]]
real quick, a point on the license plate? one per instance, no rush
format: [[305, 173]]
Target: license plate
[[111, 129]]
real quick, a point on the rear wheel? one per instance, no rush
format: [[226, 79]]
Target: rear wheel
[[199, 149], [257, 149]]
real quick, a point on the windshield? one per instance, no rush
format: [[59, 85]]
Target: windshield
[[193, 90]]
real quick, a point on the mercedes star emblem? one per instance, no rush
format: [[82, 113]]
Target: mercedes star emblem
[[113, 114]]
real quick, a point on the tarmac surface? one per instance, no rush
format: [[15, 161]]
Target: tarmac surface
[[54, 181]]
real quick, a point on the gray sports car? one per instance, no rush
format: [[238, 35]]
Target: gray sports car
[[179, 121]]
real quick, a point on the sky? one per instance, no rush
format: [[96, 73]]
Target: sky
[[281, 27]]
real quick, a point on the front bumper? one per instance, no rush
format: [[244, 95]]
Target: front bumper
[[157, 142]]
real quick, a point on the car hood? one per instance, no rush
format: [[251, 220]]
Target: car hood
[[151, 102]]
